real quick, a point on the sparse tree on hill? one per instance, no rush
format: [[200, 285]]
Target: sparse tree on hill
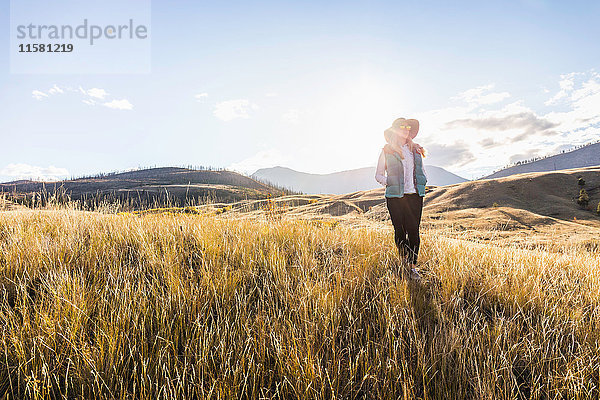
[[581, 182], [583, 199]]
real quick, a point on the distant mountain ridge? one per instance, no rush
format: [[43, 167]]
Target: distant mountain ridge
[[344, 181], [587, 156]]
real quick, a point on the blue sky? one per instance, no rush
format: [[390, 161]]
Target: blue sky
[[312, 86]]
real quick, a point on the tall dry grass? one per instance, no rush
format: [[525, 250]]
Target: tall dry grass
[[199, 306]]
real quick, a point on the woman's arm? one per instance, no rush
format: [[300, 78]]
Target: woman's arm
[[419, 149], [380, 171]]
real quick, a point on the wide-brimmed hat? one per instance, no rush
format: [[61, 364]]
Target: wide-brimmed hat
[[414, 128]]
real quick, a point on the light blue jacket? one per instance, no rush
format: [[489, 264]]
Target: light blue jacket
[[393, 165]]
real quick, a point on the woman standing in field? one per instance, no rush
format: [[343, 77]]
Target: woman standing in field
[[402, 160]]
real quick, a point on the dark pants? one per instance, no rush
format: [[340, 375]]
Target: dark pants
[[406, 216]]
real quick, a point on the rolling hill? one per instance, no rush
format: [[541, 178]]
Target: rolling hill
[[343, 181], [527, 209], [587, 156], [143, 188], [549, 194]]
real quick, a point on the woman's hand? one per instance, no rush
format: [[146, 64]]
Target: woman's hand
[[419, 149]]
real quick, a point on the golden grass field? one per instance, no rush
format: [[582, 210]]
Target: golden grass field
[[198, 305]]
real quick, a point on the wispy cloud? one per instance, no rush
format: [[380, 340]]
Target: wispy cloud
[[580, 94], [500, 134], [26, 171], [123, 104], [527, 123], [38, 94], [488, 142], [94, 92], [292, 116], [201, 96], [262, 159], [456, 154], [482, 95], [232, 109], [91, 97], [55, 90], [566, 84]]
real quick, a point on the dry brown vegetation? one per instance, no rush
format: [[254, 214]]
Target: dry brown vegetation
[[236, 305]]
